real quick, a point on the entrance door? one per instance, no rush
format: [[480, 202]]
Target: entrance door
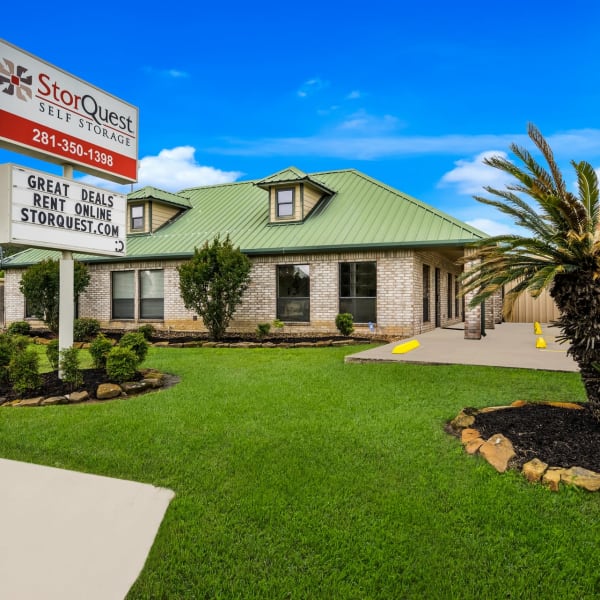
[[437, 297]]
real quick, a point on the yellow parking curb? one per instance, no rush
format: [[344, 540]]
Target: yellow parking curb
[[406, 347]]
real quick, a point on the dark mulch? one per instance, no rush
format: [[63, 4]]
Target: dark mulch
[[53, 386], [558, 436]]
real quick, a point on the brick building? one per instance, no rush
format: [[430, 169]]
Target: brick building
[[320, 244]]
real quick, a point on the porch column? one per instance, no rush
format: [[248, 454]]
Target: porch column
[[472, 315]]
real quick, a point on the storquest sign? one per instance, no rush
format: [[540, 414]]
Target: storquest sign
[[50, 114], [53, 212]]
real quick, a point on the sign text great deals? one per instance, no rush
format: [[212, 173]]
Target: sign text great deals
[[52, 115], [49, 212]]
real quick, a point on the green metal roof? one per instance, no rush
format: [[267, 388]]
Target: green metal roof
[[152, 193], [292, 175], [363, 213]]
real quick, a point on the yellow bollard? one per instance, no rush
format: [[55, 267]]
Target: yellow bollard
[[537, 328], [540, 343]]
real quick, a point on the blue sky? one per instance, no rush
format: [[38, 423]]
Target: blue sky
[[413, 94]]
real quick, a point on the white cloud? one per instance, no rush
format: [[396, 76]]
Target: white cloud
[[354, 95], [171, 170], [170, 73], [583, 143], [492, 227], [363, 121], [470, 176], [311, 86]]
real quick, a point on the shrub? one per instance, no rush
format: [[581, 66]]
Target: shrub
[[23, 371], [6, 352], [99, 350], [278, 324], [263, 330], [136, 342], [85, 329], [345, 323], [19, 328], [69, 367], [52, 354], [121, 364], [147, 330]]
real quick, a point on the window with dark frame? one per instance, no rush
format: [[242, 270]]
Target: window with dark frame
[[456, 298], [293, 293], [450, 295], [358, 291], [285, 202], [152, 294], [137, 217], [123, 294], [426, 292]]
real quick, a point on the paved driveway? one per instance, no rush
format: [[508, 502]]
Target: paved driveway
[[507, 345]]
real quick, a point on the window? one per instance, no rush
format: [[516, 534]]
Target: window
[[285, 203], [450, 295], [137, 217], [358, 291], [152, 294], [293, 293], [426, 292], [123, 289], [456, 298]]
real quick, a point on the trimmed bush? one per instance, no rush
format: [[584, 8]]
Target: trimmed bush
[[23, 371], [52, 354], [121, 364], [69, 367], [345, 323], [6, 352], [99, 350], [85, 329], [19, 328], [136, 342], [146, 330], [263, 330]]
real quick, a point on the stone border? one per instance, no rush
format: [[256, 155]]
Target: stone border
[[499, 451], [267, 344], [152, 380]]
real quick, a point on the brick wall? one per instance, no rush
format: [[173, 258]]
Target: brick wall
[[399, 293]]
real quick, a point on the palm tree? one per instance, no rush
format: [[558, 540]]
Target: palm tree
[[562, 253]]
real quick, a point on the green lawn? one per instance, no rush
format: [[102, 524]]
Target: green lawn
[[298, 476]]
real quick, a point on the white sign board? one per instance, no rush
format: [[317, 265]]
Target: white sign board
[[42, 210], [50, 114]]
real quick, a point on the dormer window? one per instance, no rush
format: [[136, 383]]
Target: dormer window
[[137, 217], [285, 202]]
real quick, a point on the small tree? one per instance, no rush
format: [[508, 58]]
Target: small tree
[[212, 283], [40, 285]]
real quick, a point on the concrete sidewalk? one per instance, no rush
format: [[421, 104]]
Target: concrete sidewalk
[[507, 345], [72, 536]]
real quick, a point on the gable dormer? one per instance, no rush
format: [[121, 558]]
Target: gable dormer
[[292, 195], [149, 208]]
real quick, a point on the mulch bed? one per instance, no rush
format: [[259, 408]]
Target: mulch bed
[[53, 386], [560, 437]]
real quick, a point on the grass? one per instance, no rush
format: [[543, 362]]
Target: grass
[[298, 476]]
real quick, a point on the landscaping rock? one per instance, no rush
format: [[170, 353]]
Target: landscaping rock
[[498, 451], [469, 434], [588, 480], [134, 387], [29, 402], [107, 391], [518, 403], [534, 470], [473, 446], [52, 400], [571, 405], [78, 397], [160, 344], [462, 420], [551, 478]]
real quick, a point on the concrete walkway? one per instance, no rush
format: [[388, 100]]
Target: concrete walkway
[[507, 345], [73, 536]]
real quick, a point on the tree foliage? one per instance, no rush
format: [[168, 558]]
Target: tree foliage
[[212, 283], [559, 251], [40, 285]]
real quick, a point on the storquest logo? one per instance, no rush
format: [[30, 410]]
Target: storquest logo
[[14, 80]]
